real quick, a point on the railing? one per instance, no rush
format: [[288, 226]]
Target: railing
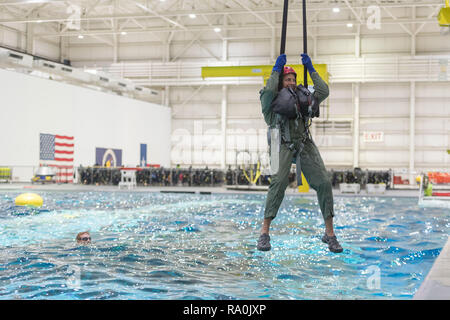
[[151, 176], [341, 69]]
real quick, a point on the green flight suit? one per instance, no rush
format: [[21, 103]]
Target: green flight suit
[[312, 164]]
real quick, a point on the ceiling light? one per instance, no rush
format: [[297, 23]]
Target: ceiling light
[[192, 16], [349, 25], [336, 10], [216, 29], [123, 33], [39, 21], [80, 36]]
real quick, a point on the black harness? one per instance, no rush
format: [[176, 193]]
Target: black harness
[[295, 104]]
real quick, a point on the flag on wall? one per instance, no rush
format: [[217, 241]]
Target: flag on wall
[[108, 157], [143, 156], [57, 151]]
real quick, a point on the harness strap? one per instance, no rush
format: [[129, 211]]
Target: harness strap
[[297, 149]]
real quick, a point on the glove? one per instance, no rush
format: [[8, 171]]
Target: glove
[[306, 60], [279, 64]]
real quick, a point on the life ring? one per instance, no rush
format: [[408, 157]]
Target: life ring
[[29, 199]]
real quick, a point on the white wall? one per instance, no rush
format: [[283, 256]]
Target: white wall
[[31, 105], [384, 107]]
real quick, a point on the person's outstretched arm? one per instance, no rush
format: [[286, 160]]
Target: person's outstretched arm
[[269, 92], [321, 90]]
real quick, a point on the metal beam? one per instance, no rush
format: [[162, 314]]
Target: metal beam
[[357, 16], [251, 11], [431, 15], [160, 16], [28, 2], [233, 27], [193, 94], [395, 18], [226, 11]]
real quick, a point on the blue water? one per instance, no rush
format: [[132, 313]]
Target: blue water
[[186, 246]]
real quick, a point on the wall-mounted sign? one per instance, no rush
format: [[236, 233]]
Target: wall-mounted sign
[[143, 155], [373, 136], [108, 157]]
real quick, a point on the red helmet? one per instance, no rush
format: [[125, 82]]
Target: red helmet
[[288, 70]]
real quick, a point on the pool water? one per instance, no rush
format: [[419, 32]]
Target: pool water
[[190, 246]]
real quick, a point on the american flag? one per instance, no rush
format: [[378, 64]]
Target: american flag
[[57, 151]]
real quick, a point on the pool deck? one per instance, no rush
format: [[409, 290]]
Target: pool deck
[[27, 187], [436, 285]]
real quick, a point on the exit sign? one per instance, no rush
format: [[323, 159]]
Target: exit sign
[[377, 136]]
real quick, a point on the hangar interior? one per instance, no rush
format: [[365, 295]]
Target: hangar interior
[[387, 66], [162, 97]]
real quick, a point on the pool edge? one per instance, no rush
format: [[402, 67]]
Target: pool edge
[[436, 285], [193, 189]]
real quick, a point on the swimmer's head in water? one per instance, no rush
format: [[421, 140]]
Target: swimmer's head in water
[[83, 237]]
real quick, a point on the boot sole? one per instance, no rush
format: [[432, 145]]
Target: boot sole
[[334, 251]]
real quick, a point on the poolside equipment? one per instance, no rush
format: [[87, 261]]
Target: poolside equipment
[[44, 175], [234, 176], [128, 177], [5, 174], [434, 190], [254, 175], [349, 188], [444, 15], [29, 199], [376, 188]]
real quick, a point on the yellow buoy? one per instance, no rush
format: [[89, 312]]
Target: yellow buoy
[[29, 199]]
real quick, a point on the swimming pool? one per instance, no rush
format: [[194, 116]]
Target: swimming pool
[[191, 246]]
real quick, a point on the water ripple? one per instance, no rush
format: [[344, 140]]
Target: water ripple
[[178, 246]]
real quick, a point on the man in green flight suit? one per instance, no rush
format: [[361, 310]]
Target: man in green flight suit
[[312, 164]]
